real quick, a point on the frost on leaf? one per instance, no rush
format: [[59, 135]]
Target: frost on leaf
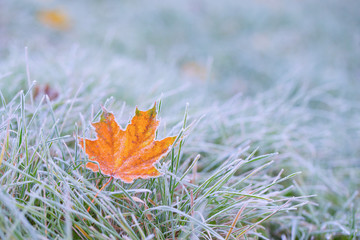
[[127, 154]]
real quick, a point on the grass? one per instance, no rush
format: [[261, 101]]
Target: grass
[[46, 189], [269, 110]]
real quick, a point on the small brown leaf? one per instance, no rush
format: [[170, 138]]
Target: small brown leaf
[[55, 18], [41, 90], [195, 71]]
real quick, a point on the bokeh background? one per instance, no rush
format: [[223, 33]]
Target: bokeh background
[[282, 74]]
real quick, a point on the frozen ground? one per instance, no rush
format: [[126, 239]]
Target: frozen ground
[[282, 75]]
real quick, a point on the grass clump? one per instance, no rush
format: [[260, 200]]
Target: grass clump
[[46, 190]]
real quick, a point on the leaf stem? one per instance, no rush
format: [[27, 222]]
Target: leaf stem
[[111, 178]]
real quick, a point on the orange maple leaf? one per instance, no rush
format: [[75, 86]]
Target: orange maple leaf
[[127, 154], [55, 18]]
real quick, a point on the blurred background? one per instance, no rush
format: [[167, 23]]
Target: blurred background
[[245, 46], [283, 74]]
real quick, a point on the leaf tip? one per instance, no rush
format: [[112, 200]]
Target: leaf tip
[[105, 114], [94, 167], [152, 111], [137, 111]]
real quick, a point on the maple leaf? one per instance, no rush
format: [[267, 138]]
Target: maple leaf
[[195, 71], [55, 18], [127, 154]]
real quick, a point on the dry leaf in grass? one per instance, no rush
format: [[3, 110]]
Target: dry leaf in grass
[[195, 70], [41, 90], [54, 18], [126, 154]]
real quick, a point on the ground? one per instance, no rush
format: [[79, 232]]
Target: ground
[[264, 95]]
